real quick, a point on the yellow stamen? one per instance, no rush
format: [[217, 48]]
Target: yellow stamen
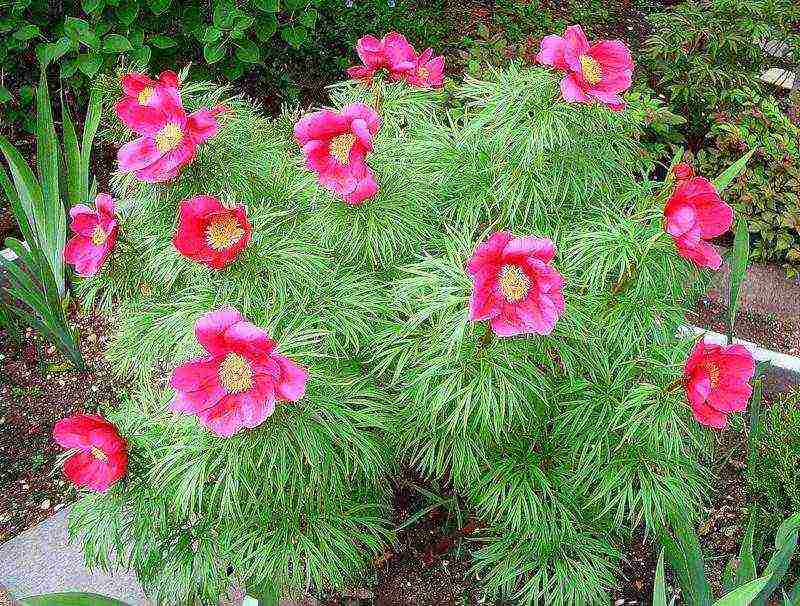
[[713, 373], [99, 236], [235, 374], [99, 454], [224, 232], [514, 284], [423, 73], [340, 147], [592, 72], [169, 137], [145, 95]]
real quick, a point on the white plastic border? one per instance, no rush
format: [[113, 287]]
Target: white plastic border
[[781, 360], [8, 254]]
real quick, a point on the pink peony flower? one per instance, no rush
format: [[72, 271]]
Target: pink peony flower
[[514, 285], [682, 171], [717, 382], [695, 213], [101, 458], [393, 53], [211, 233], [601, 71], [95, 235], [237, 383], [336, 145], [428, 72], [147, 100], [167, 144]]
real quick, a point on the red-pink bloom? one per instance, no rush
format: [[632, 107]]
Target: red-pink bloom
[[428, 71], [147, 100], [237, 383], [102, 456], [336, 145], [514, 285], [600, 71], [168, 143], [717, 382], [211, 233], [695, 213], [393, 53], [682, 171], [95, 235]]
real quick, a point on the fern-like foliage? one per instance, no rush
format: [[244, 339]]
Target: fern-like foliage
[[562, 443]]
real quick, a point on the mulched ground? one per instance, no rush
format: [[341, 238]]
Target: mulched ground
[[38, 386]]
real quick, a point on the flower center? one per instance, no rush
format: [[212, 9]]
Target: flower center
[[713, 373], [235, 374], [340, 147], [514, 284], [99, 454], [99, 236], [224, 232], [169, 137], [145, 95], [592, 72], [423, 72]]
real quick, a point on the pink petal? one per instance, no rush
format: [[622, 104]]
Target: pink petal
[[552, 52], [541, 248], [248, 340], [225, 417], [366, 188], [168, 166], [210, 329], [141, 119], [138, 154], [708, 416], [201, 125], [196, 375], [105, 204], [134, 83], [612, 55], [571, 90], [293, 379], [575, 45], [74, 431]]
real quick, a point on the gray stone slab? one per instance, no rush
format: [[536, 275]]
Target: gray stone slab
[[41, 560]]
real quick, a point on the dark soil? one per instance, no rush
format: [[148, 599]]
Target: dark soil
[[38, 386]]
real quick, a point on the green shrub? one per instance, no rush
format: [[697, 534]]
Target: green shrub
[[773, 461], [768, 192], [701, 50]]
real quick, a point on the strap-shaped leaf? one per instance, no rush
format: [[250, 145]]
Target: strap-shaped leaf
[[746, 571], [682, 549], [16, 207], [743, 596], [739, 261], [28, 190], [733, 171], [51, 219], [785, 545], [90, 125], [660, 587], [72, 156]]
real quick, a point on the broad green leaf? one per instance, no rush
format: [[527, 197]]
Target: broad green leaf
[[659, 587], [71, 599], [90, 39], [244, 22], [212, 34], [26, 32], [114, 43], [26, 95], [739, 260], [225, 14], [90, 63], [294, 35], [213, 52], [247, 52], [161, 41], [293, 5], [733, 171], [309, 18], [743, 596], [158, 6], [141, 54], [92, 6], [67, 68], [127, 11], [73, 27], [266, 27], [5, 95], [268, 6]]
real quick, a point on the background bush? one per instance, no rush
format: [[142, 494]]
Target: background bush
[[768, 192]]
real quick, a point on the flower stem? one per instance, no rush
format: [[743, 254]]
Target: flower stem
[[486, 339], [674, 385]]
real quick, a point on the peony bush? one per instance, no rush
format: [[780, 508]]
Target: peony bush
[[304, 302]]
